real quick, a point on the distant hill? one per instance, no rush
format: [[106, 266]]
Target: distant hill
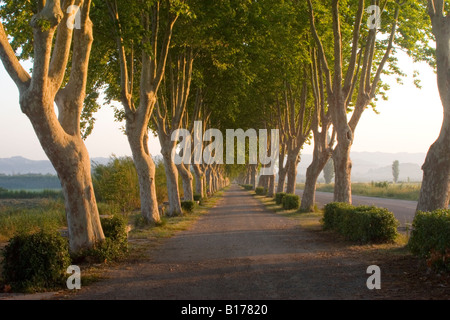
[[376, 166], [367, 166], [20, 165]]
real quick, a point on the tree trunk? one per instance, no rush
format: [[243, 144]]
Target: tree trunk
[[199, 180], [209, 186], [145, 168], [292, 163], [312, 174], [253, 175], [187, 178], [271, 188], [435, 190], [73, 167], [342, 168], [173, 192], [60, 137], [281, 179]]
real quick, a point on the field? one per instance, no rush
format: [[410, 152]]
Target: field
[[402, 191]]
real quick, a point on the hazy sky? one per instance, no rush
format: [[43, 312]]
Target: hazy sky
[[409, 122]]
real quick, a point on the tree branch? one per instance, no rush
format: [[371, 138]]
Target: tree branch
[[322, 55], [12, 65], [61, 51]]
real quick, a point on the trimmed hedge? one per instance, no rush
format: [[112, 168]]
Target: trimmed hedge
[[197, 197], [247, 186], [291, 201], [279, 197], [36, 261], [430, 238], [261, 191], [365, 224], [188, 206]]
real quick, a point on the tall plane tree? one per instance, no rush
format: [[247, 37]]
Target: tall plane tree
[[361, 73], [142, 33], [435, 191], [52, 40]]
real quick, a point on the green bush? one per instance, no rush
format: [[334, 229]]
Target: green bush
[[365, 224], [36, 261], [197, 197], [247, 186], [188, 206], [430, 238], [261, 191], [291, 201], [117, 183], [279, 197], [115, 245]]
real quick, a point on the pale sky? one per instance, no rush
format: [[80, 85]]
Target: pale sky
[[409, 122]]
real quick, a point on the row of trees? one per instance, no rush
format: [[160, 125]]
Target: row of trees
[[308, 68]]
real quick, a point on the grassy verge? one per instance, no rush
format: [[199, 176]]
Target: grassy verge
[[23, 218], [401, 191]]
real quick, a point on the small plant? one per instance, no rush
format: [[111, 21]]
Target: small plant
[[197, 197], [248, 186], [430, 238], [115, 245], [188, 206], [261, 191], [279, 197], [291, 201], [36, 261]]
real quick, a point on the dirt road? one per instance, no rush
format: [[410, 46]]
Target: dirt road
[[242, 251]]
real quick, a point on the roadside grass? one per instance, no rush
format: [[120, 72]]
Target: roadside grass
[[45, 214], [401, 191]]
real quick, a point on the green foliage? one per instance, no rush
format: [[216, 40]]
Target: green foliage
[[188, 206], [36, 261], [197, 197], [117, 183], [382, 184], [247, 186], [279, 197], [31, 217], [430, 238], [261, 191], [291, 201], [395, 170], [364, 224], [115, 245], [328, 171], [23, 194]]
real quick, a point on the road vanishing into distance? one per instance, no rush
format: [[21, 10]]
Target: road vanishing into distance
[[403, 210]]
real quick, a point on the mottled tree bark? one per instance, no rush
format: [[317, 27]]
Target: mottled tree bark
[[340, 88], [187, 179], [137, 117], [60, 137], [435, 190]]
